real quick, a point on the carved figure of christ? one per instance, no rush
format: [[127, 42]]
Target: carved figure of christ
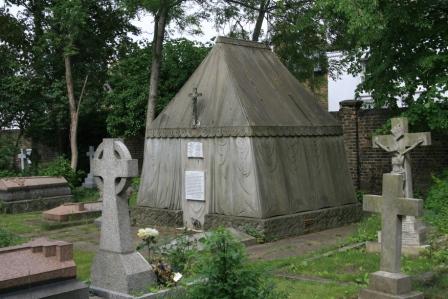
[[400, 143], [194, 96]]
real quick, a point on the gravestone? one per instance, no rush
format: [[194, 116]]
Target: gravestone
[[89, 181], [40, 269], [389, 282], [118, 269], [25, 194], [400, 143], [73, 211]]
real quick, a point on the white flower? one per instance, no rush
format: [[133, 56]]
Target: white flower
[[177, 276], [152, 232], [142, 234]]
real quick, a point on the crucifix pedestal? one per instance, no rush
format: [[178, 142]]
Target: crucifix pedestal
[[389, 282], [400, 143], [118, 269]]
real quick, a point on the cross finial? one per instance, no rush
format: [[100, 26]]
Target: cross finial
[[194, 96]]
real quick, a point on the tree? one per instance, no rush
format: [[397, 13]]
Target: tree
[[241, 14], [128, 94], [300, 40], [402, 48], [164, 12]]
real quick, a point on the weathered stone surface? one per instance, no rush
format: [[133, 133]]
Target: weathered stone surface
[[117, 267], [36, 262], [73, 211], [389, 282], [405, 250], [24, 194], [290, 225], [146, 216], [66, 289]]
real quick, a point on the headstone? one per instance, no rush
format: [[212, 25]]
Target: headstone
[[23, 157], [118, 269], [400, 143], [73, 211], [24, 194], [89, 181], [389, 282], [32, 269]]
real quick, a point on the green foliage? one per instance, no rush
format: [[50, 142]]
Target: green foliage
[[7, 238], [437, 203], [226, 273], [61, 167], [367, 229], [401, 47], [182, 256], [128, 80], [135, 184], [81, 194]]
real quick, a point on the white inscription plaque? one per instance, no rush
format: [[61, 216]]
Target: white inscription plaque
[[194, 150], [194, 185]]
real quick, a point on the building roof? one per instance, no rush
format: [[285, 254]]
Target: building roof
[[246, 91]]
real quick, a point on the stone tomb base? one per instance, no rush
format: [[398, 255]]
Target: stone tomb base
[[66, 289], [120, 273], [386, 285], [273, 228]]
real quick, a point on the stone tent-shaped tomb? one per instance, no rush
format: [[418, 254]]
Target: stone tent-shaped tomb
[[243, 143]]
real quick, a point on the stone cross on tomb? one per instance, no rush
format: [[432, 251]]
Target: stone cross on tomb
[[392, 205], [117, 267], [23, 157], [194, 96], [89, 182], [400, 143]]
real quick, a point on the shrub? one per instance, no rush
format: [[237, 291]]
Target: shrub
[[7, 238], [367, 229], [437, 203], [182, 254], [225, 273], [61, 167]]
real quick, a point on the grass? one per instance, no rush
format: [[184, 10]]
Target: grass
[[316, 290], [83, 260]]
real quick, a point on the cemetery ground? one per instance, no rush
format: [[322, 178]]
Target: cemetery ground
[[336, 267]]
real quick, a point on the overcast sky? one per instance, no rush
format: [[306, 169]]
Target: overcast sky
[[145, 23]]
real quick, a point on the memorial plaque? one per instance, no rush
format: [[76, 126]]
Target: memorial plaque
[[194, 185], [194, 150]]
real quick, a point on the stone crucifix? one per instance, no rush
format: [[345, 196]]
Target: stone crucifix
[[400, 143], [117, 266], [392, 205], [194, 96]]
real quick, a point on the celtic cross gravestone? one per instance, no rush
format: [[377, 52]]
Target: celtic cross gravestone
[[392, 205], [400, 143], [117, 268]]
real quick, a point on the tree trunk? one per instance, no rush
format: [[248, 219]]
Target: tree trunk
[[157, 47], [73, 113], [261, 13]]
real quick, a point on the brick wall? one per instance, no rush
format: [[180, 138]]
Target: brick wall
[[136, 148], [367, 164]]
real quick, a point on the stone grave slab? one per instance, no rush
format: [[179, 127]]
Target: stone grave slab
[[389, 282], [25, 194], [28, 268], [73, 211]]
